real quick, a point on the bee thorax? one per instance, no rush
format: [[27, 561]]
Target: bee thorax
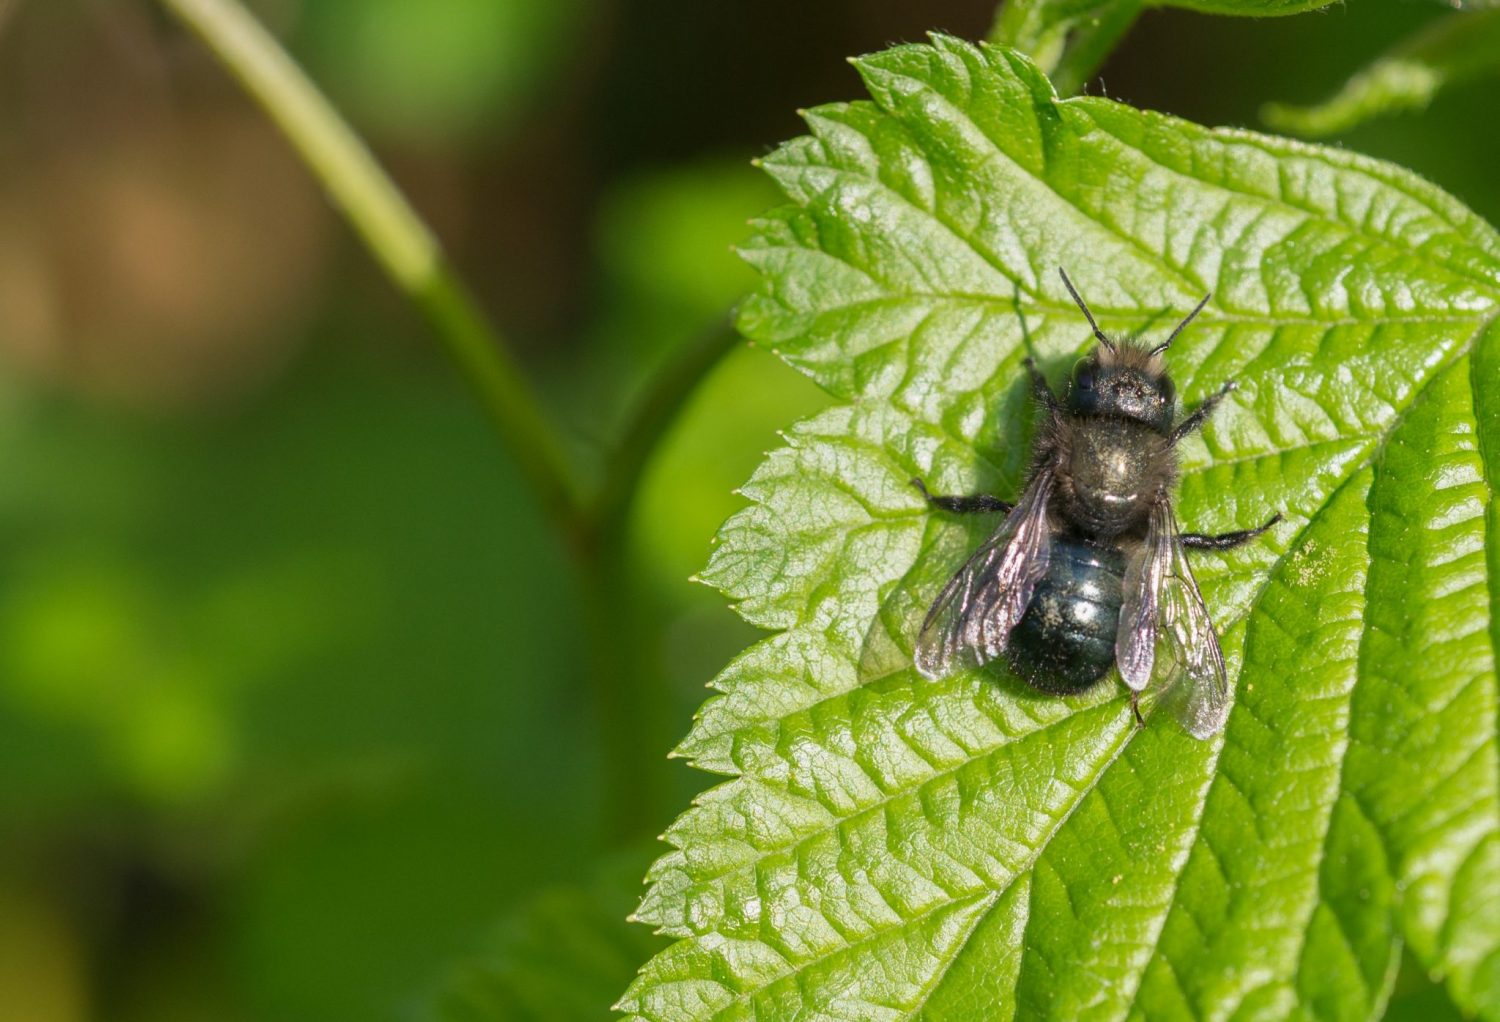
[[1111, 472]]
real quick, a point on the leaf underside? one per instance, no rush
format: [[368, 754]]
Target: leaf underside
[[894, 848]]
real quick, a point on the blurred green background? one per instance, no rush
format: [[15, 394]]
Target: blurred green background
[[295, 724]]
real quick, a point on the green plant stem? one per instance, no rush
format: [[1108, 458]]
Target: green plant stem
[[627, 691], [1067, 40], [1024, 25], [628, 701], [395, 235], [657, 410], [628, 695], [626, 709], [1091, 44]]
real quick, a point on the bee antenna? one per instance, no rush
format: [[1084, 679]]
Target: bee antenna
[[1164, 345], [1083, 307]]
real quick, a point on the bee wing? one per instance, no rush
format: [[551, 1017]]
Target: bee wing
[[1140, 606], [971, 618], [1161, 595], [1200, 698]]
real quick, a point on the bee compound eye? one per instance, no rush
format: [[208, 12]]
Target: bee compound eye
[[1083, 376]]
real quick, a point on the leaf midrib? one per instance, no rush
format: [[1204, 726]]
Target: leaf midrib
[[1043, 308]]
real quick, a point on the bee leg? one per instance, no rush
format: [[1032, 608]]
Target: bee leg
[[1040, 387], [980, 503], [1224, 540], [1135, 708], [1202, 412]]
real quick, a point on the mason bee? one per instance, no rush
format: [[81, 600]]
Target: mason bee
[[1087, 568]]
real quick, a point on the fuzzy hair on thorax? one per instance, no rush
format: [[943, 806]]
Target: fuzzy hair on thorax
[[1129, 353]]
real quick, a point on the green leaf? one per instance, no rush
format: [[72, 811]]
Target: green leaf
[[892, 848], [1453, 50]]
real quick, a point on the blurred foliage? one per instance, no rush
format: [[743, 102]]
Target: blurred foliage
[[291, 700], [219, 629], [667, 274], [223, 646], [440, 68], [665, 250], [1453, 50], [1068, 39], [666, 255], [562, 955]]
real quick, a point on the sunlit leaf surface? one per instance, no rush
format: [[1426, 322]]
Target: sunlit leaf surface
[[894, 848]]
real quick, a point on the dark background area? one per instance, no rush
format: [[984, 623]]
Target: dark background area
[[293, 713]]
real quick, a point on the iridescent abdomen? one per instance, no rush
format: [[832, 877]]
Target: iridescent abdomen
[[1065, 642]]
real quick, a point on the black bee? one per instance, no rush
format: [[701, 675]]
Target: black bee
[[1087, 569]]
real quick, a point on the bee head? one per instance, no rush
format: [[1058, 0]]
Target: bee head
[[1123, 379]]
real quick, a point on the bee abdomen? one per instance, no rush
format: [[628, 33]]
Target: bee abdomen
[[1065, 642]]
